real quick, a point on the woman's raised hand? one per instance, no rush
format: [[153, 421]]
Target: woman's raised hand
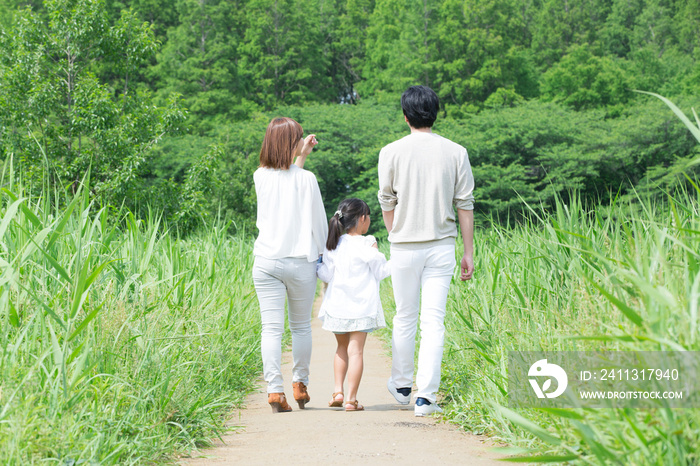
[[309, 143]]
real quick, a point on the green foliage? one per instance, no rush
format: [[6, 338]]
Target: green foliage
[[199, 59], [621, 277], [582, 80], [57, 116], [229, 59], [532, 152], [160, 14], [538, 151], [491, 61], [399, 52], [119, 344], [349, 32], [676, 172], [196, 194], [556, 27], [466, 51], [283, 55]]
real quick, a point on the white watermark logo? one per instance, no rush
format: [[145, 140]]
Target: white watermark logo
[[543, 369]]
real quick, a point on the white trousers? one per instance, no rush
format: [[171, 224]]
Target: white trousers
[[275, 279], [421, 280]]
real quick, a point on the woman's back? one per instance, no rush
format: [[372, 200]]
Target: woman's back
[[291, 219]]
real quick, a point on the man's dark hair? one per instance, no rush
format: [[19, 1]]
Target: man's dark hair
[[420, 104]]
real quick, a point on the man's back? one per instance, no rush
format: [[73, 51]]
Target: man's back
[[421, 176]]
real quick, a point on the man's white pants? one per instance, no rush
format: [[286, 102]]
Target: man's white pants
[[421, 279]]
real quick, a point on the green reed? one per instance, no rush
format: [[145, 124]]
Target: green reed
[[119, 341], [619, 277]]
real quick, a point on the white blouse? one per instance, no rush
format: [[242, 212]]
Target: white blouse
[[291, 218], [353, 271]]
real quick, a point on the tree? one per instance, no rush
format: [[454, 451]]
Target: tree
[[687, 21], [59, 118], [483, 51], [583, 80], [559, 24], [160, 14], [199, 61], [399, 49], [347, 37], [284, 57]]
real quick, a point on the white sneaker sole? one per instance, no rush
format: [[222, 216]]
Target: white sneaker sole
[[400, 399], [426, 412]]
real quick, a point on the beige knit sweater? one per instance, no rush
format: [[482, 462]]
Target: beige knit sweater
[[421, 177]]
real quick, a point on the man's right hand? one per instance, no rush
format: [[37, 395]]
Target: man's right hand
[[467, 266]]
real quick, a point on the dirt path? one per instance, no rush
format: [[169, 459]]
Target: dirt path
[[385, 433]]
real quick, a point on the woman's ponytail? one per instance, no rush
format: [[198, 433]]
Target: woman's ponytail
[[345, 218]]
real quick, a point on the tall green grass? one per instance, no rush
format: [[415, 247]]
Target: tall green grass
[[621, 277], [120, 343]]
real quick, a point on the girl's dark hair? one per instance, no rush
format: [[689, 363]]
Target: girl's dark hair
[[346, 217]]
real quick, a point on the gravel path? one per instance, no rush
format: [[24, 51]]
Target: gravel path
[[385, 433]]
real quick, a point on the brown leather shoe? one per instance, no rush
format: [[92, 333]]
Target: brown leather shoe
[[300, 394], [278, 402]]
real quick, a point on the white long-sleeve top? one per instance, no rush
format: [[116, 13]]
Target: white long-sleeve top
[[353, 271], [291, 218]]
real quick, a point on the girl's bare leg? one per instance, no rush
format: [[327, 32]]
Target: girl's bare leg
[[356, 346], [340, 362]]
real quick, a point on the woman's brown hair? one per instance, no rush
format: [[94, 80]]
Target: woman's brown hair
[[279, 146]]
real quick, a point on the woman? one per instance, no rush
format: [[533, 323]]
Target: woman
[[292, 232]]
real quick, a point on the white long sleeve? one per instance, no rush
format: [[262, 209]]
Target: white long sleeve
[[291, 218], [324, 272], [353, 271], [380, 267]]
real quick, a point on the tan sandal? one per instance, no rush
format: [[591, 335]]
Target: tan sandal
[[336, 403], [278, 402], [300, 394], [353, 406]]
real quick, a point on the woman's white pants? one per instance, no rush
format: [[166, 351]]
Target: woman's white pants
[[421, 279], [275, 280]]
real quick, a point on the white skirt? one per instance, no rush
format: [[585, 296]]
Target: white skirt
[[363, 324]]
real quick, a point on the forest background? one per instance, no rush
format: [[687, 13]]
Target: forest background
[[166, 101]]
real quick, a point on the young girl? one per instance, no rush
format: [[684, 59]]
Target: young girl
[[352, 266]]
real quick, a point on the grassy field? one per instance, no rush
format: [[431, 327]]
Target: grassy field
[[120, 343], [620, 277]]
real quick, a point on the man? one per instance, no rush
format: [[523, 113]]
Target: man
[[421, 177]]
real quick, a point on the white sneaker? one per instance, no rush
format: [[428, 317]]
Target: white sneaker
[[400, 398], [425, 408]]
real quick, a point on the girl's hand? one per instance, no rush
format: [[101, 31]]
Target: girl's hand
[[309, 144]]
